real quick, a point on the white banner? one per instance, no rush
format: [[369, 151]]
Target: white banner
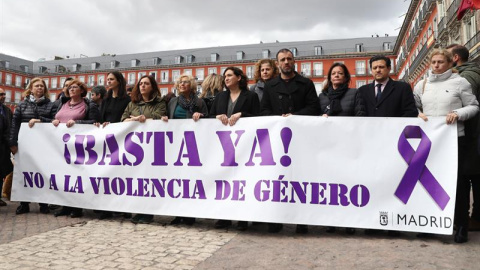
[[381, 173]]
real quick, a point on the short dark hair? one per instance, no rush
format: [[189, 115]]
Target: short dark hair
[[459, 50], [66, 80], [243, 83], [329, 76], [380, 57], [284, 50], [99, 90]]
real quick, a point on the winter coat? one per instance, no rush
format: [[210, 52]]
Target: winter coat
[[121, 104], [300, 97], [200, 107], [351, 102], [445, 93], [154, 109], [26, 111], [258, 88], [247, 104]]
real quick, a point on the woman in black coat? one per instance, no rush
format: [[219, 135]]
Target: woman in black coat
[[32, 109], [336, 99], [229, 106]]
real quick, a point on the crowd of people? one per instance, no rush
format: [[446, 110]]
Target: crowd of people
[[450, 89]]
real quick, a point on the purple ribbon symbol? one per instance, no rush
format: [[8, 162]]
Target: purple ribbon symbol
[[417, 170]]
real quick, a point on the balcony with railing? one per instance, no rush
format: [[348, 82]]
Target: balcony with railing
[[441, 27], [473, 43], [421, 55], [452, 10]]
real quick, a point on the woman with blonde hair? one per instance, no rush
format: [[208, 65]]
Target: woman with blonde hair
[[444, 93], [211, 86], [35, 107], [265, 69]]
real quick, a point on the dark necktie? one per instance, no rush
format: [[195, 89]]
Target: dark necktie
[[379, 91]]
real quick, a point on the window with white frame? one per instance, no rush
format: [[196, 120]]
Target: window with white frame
[[7, 64], [240, 55], [156, 61], [113, 64], [153, 74], [164, 75], [212, 70], [53, 97], [175, 75], [318, 50], [222, 70], [188, 72], [94, 66], [131, 78], [387, 46], [359, 47], [1, 77], [318, 69], [18, 81], [54, 83], [91, 80], [178, 59], [200, 74], [250, 72], [18, 96], [27, 81], [360, 83], [81, 78], [25, 68], [294, 51], [140, 74], [318, 87], [296, 67], [101, 80], [46, 82], [306, 69], [8, 96], [190, 58], [8, 79], [164, 91], [214, 57], [266, 53], [75, 67], [134, 62], [62, 81], [360, 67], [392, 69]]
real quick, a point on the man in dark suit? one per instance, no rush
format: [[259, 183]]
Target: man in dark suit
[[287, 94], [386, 97]]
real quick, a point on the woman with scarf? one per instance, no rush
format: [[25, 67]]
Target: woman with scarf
[[265, 69], [445, 93], [32, 109], [187, 105], [337, 99]]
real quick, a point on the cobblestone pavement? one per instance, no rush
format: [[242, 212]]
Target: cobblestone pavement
[[36, 241]]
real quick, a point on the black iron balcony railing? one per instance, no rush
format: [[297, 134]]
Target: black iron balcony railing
[[421, 55], [452, 10]]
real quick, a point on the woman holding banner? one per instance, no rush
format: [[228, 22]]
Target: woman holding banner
[[186, 106], [445, 93], [111, 111], [146, 103], [337, 99], [75, 109], [32, 109], [229, 106]]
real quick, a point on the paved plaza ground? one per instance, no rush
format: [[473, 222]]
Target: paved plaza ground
[[38, 241]]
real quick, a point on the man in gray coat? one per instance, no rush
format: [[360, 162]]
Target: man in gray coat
[[471, 72]]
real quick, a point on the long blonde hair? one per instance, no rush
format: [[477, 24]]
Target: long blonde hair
[[211, 83]]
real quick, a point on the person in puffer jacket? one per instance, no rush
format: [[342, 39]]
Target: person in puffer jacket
[[445, 93], [32, 109]]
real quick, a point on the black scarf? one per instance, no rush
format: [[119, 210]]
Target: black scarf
[[187, 105], [334, 108]]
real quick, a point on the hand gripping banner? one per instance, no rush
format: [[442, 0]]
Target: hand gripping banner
[[417, 169]]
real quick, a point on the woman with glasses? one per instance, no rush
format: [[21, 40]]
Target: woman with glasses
[[35, 107], [146, 103], [186, 106], [75, 109]]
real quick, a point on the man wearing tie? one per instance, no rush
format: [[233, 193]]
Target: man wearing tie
[[386, 97]]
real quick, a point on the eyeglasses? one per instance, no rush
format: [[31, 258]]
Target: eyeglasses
[[184, 82], [74, 87], [2, 94]]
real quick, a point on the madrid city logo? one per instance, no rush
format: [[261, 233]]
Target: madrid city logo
[[417, 170], [383, 218]]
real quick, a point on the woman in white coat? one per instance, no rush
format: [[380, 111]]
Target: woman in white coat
[[445, 93]]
